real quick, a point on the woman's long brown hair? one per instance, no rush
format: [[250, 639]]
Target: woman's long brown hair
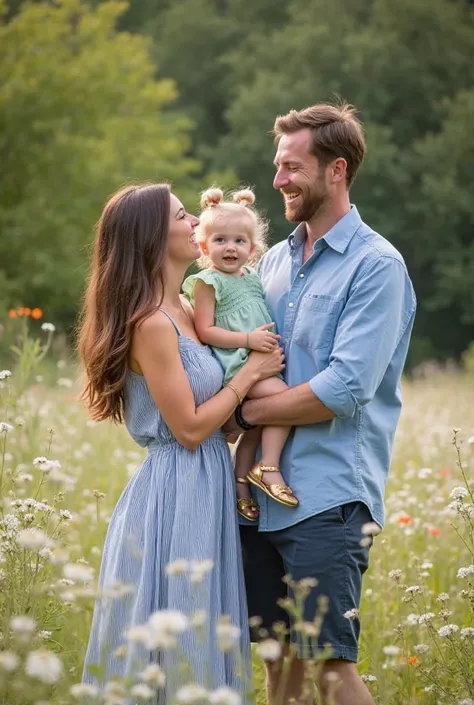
[[127, 265]]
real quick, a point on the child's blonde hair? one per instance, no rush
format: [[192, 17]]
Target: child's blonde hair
[[239, 204]]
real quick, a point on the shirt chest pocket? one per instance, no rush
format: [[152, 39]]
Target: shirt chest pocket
[[316, 321]]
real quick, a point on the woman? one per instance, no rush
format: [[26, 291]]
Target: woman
[[145, 365]]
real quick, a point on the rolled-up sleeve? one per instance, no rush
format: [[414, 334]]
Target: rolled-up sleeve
[[380, 307]]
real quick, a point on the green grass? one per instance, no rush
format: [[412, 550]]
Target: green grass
[[424, 539]]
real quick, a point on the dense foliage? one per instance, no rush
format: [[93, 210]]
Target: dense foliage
[[85, 106]]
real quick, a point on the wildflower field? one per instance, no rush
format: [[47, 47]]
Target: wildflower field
[[61, 475]]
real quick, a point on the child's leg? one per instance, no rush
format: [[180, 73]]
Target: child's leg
[[246, 451], [244, 459], [273, 437]]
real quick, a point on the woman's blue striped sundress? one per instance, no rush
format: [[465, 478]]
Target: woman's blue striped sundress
[[179, 505]]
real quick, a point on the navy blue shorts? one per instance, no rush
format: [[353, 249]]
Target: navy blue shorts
[[326, 547]]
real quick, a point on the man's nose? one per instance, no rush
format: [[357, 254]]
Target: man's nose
[[280, 180]]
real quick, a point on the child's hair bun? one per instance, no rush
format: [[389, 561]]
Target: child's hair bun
[[211, 197], [245, 197]]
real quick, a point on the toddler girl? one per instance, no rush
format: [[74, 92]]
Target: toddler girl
[[231, 316]]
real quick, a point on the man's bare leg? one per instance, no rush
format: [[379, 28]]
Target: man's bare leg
[[287, 682]]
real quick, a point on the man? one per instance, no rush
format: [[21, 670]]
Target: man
[[344, 306]]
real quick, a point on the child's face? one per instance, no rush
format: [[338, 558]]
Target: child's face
[[228, 246]]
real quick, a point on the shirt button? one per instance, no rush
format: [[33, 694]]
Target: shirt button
[[301, 276], [291, 304]]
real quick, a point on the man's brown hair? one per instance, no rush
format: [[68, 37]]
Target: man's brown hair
[[336, 130]]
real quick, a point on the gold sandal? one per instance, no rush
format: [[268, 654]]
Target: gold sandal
[[280, 493], [244, 503]]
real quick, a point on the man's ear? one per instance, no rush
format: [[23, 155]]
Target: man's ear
[[339, 170]]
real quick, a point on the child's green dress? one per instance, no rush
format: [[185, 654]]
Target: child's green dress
[[240, 307]]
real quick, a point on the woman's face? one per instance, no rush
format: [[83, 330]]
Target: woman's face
[[182, 245]]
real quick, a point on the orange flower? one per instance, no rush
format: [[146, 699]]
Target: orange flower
[[36, 313], [433, 531], [404, 519], [12, 313], [413, 661], [27, 311], [21, 311], [445, 473]]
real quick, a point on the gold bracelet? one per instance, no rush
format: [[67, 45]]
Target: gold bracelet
[[236, 391]]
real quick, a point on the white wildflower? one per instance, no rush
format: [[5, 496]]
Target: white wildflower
[[367, 678], [34, 539], [8, 661], [444, 614], [470, 440], [466, 701], [142, 692], [77, 571], [464, 572], [413, 589], [64, 382], [138, 635], [225, 696], [426, 565], [177, 567], [163, 627], [48, 327], [39, 460], [395, 574], [467, 633], [4, 374], [44, 666], [458, 493], [448, 630], [83, 691], [198, 570], [23, 624], [114, 693], [50, 465], [412, 619], [269, 650], [191, 693], [43, 634], [153, 675], [5, 427], [421, 648], [227, 635], [391, 650], [199, 619], [426, 618], [442, 597], [65, 514], [352, 614]]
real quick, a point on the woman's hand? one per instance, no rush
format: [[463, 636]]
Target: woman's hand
[[262, 339], [265, 364]]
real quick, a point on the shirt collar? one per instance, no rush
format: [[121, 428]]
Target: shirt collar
[[338, 237]]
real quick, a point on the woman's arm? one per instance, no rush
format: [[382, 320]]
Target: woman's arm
[[155, 349], [261, 338]]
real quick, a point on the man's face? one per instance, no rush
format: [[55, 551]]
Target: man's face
[[300, 177]]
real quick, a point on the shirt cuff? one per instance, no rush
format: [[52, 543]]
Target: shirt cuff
[[331, 390]]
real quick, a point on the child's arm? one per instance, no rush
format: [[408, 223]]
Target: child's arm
[[204, 315]]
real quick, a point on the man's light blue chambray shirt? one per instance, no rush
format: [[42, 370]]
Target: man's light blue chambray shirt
[[345, 317]]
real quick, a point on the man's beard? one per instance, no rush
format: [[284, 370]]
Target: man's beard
[[312, 204]]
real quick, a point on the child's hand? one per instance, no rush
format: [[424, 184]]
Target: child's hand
[[262, 339]]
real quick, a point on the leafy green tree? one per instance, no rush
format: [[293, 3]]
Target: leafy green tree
[[80, 113]]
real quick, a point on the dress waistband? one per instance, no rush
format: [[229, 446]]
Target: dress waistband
[[155, 444]]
